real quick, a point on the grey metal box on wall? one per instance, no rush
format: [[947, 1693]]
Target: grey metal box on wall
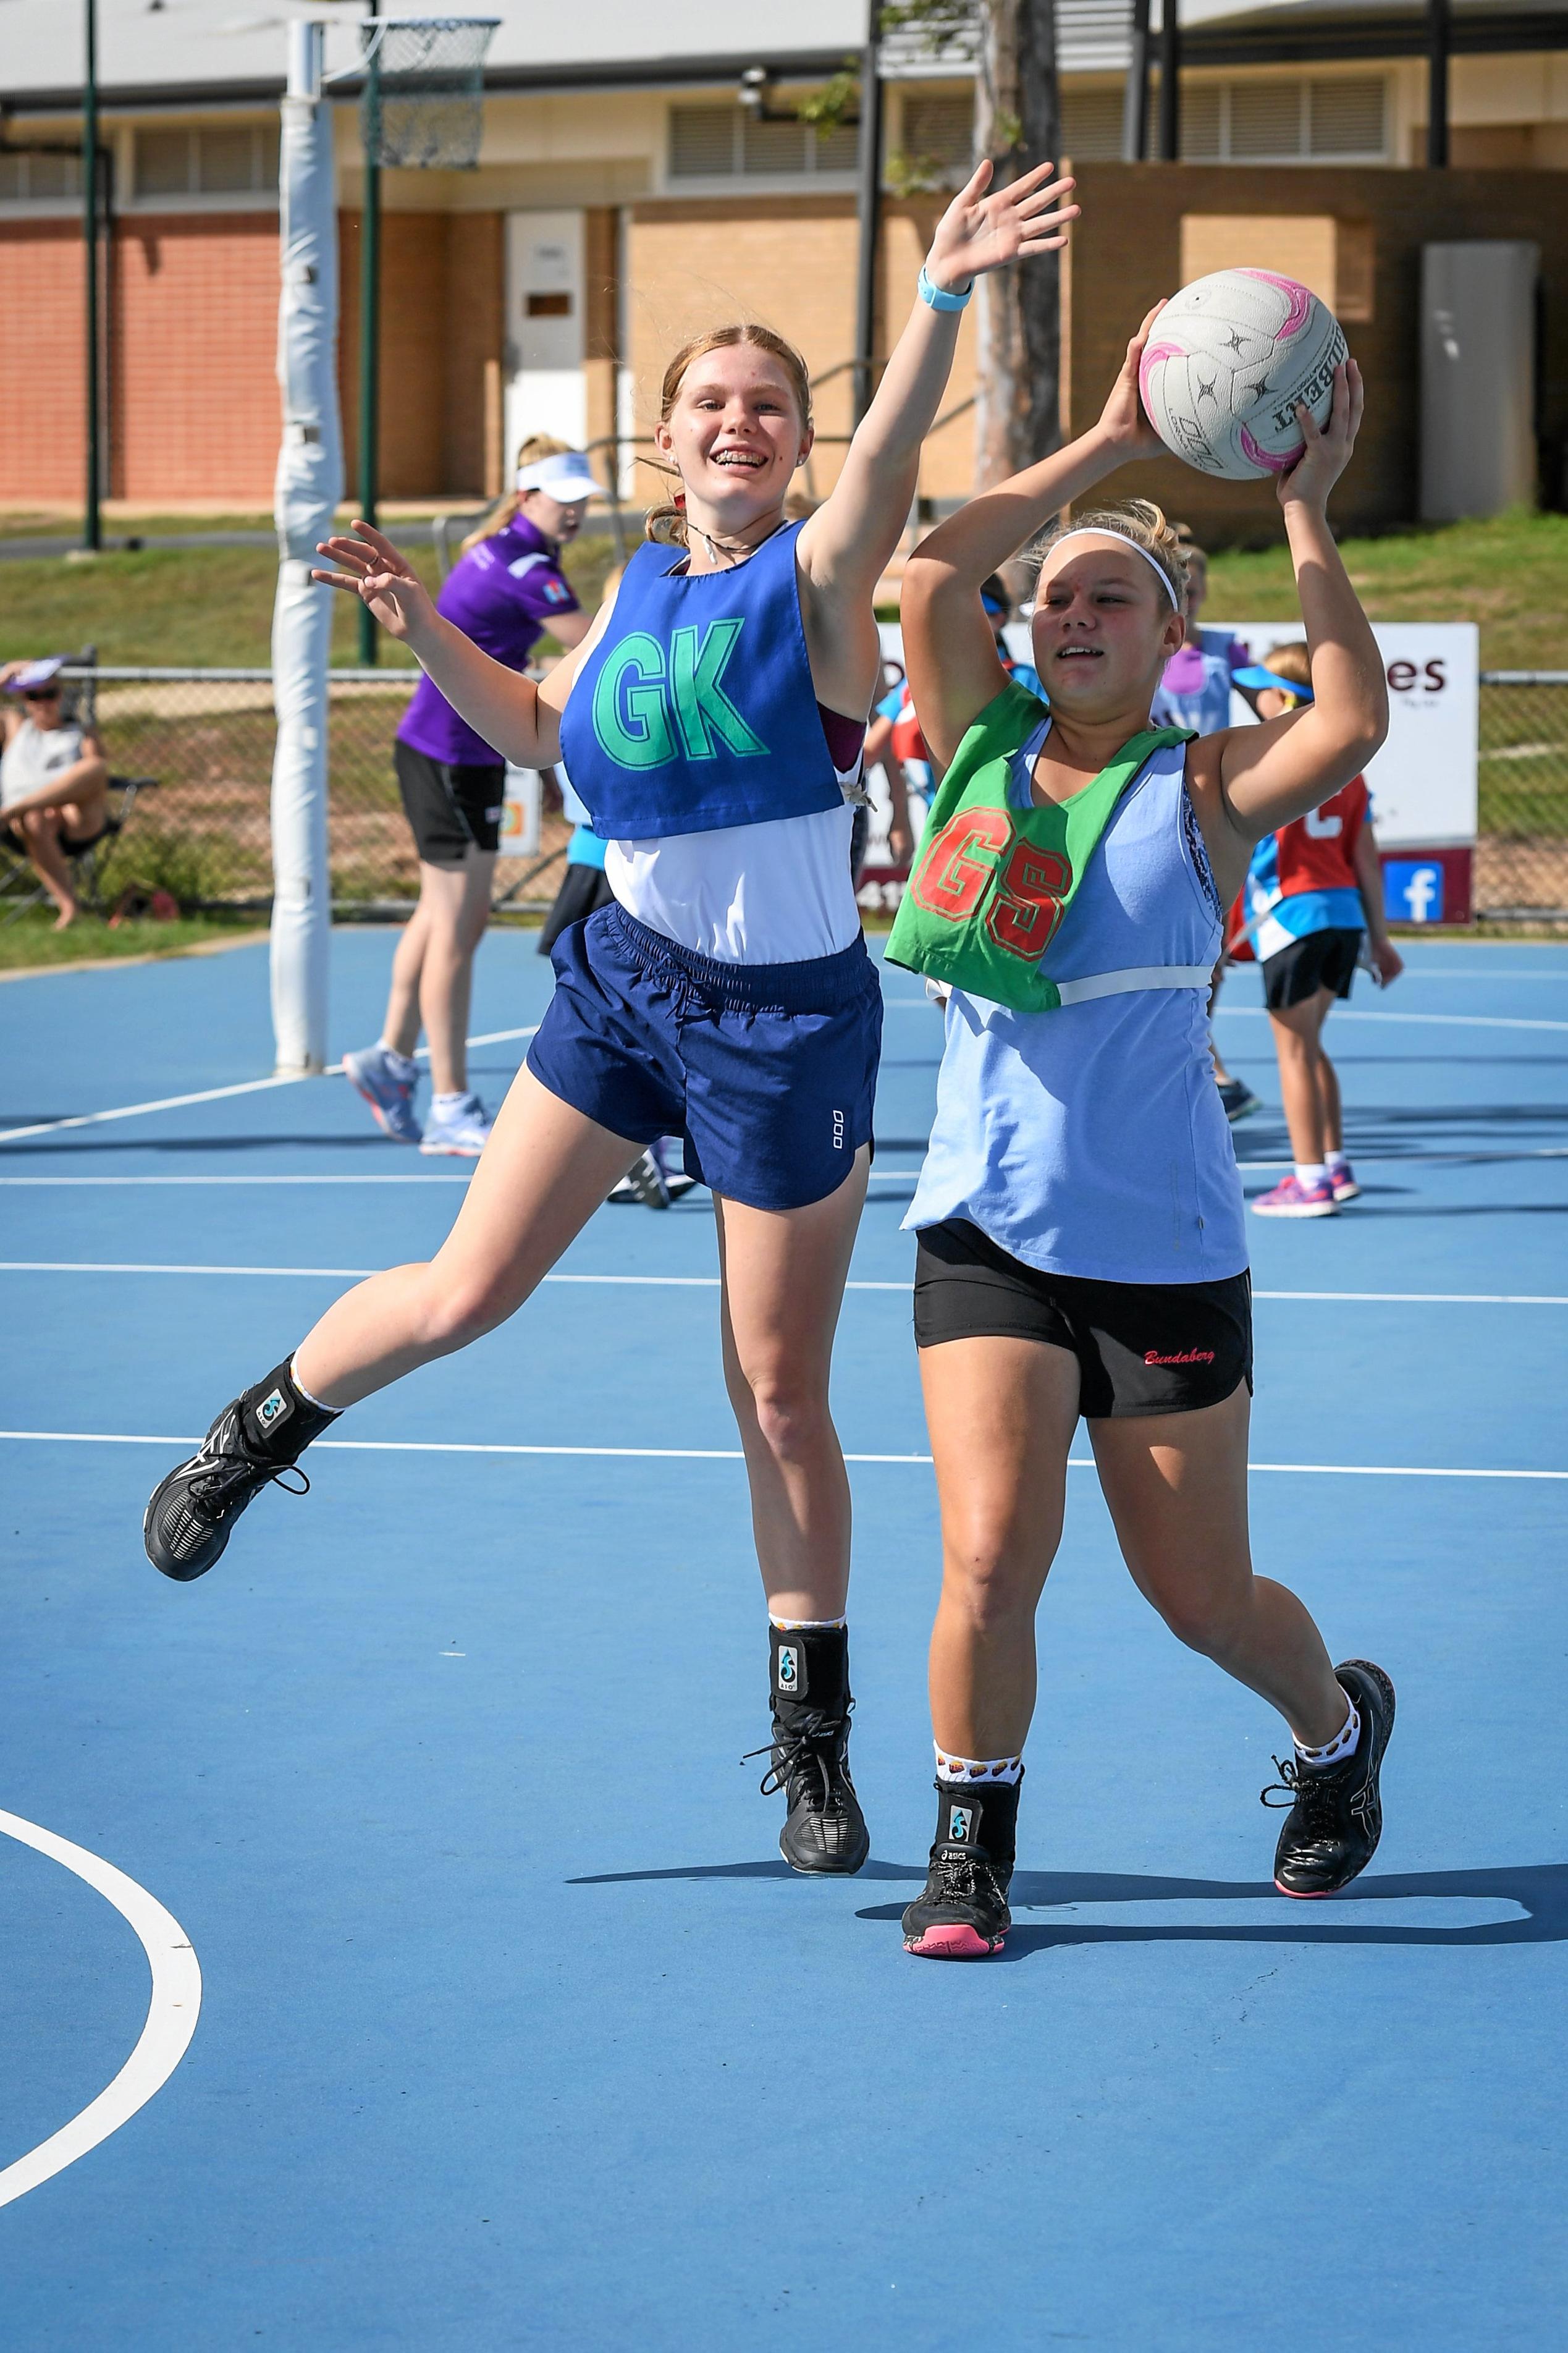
[[1477, 378]]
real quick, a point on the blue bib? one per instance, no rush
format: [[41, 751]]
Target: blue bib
[[697, 708]]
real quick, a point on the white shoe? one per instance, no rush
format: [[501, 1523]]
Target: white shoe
[[460, 1130]]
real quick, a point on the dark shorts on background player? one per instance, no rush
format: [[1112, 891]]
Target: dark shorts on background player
[[1322, 960], [451, 810], [1142, 1347], [584, 891], [766, 1072]]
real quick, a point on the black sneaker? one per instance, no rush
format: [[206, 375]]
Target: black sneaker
[[1238, 1100], [253, 1442], [824, 1829], [962, 1915], [1336, 1813]]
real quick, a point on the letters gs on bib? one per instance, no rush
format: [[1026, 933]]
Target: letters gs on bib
[[697, 708]]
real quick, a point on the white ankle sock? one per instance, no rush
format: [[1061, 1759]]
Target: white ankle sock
[[1007, 1771], [403, 1065], [1334, 1162], [1310, 1174], [804, 1625], [1343, 1744], [449, 1102]]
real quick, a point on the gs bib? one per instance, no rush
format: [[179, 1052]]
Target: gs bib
[[992, 882]]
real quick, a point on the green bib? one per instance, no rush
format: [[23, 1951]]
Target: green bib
[[992, 883]]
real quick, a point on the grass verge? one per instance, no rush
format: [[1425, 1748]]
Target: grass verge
[[32, 943]]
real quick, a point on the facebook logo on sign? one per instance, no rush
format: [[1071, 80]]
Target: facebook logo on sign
[[1411, 891]]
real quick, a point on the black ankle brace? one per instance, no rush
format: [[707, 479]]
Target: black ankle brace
[[979, 1818], [810, 1667], [279, 1420]]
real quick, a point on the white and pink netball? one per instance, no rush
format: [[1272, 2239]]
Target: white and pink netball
[[1230, 357]]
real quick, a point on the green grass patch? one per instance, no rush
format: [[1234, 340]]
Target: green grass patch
[[32, 940]]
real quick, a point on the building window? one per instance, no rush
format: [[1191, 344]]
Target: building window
[[39, 178], [728, 142], [1284, 122], [240, 161], [1091, 125]]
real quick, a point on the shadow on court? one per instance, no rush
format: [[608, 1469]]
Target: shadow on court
[[1540, 1890]]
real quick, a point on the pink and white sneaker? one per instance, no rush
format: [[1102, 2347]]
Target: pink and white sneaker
[[1342, 1184], [1291, 1198]]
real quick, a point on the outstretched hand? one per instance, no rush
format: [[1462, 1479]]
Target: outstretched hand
[[375, 573], [1328, 447], [1123, 421], [981, 232]]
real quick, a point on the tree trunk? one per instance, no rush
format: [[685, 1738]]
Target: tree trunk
[[1018, 125]]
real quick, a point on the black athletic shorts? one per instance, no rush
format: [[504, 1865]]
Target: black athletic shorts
[[452, 808], [584, 891], [1142, 1347], [1322, 960]]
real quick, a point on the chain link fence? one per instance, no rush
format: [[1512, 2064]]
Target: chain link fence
[[206, 739], [206, 736]]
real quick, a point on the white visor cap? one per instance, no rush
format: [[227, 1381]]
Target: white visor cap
[[566, 477]]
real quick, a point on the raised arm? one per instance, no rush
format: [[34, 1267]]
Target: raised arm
[[1249, 781], [522, 721], [955, 668], [845, 546]]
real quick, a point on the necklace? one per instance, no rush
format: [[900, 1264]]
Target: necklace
[[734, 551]]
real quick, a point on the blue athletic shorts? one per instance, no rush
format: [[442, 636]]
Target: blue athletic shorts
[[767, 1071]]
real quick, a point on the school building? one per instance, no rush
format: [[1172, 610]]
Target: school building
[[624, 196]]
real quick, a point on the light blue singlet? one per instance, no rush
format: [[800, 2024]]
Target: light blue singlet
[[1091, 1140]]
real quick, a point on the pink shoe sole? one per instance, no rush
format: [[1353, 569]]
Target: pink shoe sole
[[958, 1942], [1308, 1894]]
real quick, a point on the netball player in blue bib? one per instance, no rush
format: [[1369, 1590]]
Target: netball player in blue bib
[[710, 721], [1081, 1243]]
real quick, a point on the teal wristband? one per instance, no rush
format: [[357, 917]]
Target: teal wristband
[[936, 298]]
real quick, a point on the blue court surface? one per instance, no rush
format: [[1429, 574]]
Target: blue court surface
[[514, 2030]]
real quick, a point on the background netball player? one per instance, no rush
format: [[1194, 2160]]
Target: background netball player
[[1082, 1245], [505, 590], [711, 723]]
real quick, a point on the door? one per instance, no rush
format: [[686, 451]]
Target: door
[[545, 390]]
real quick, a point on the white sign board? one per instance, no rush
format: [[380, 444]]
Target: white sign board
[[1422, 782]]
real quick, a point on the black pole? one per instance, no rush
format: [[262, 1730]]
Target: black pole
[[1169, 83], [1437, 42], [868, 205], [92, 522], [1135, 102], [370, 335]]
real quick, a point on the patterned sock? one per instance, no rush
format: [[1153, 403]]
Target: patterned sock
[[305, 1393], [804, 1625], [1343, 1745], [1004, 1772]]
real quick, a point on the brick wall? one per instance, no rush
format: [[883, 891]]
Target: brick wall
[[1126, 253], [194, 384], [41, 302]]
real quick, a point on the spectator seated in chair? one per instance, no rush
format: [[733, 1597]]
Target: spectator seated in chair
[[53, 779]]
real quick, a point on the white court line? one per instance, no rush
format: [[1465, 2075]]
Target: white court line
[[172, 2013], [718, 1454], [710, 1281], [217, 1094]]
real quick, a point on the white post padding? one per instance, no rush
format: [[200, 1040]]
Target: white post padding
[[310, 483]]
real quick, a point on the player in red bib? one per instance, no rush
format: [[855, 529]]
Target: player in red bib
[[1312, 897]]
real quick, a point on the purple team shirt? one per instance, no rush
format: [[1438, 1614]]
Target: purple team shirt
[[503, 594]]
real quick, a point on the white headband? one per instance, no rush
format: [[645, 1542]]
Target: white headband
[[1101, 531]]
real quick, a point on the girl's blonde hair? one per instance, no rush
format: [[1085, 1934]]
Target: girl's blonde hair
[[1143, 522], [1293, 661], [537, 446], [666, 524]]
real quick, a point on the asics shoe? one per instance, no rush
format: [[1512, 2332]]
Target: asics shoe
[[1291, 1198], [1342, 1184], [824, 1829], [644, 1181], [391, 1098], [193, 1511], [1238, 1100], [459, 1130], [962, 1914], [1336, 1813]]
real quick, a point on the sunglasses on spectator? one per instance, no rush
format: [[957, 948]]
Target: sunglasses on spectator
[[42, 694]]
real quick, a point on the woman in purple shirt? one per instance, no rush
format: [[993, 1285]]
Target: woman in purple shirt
[[505, 590]]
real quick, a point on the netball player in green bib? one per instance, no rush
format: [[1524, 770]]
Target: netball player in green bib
[[1082, 1243]]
